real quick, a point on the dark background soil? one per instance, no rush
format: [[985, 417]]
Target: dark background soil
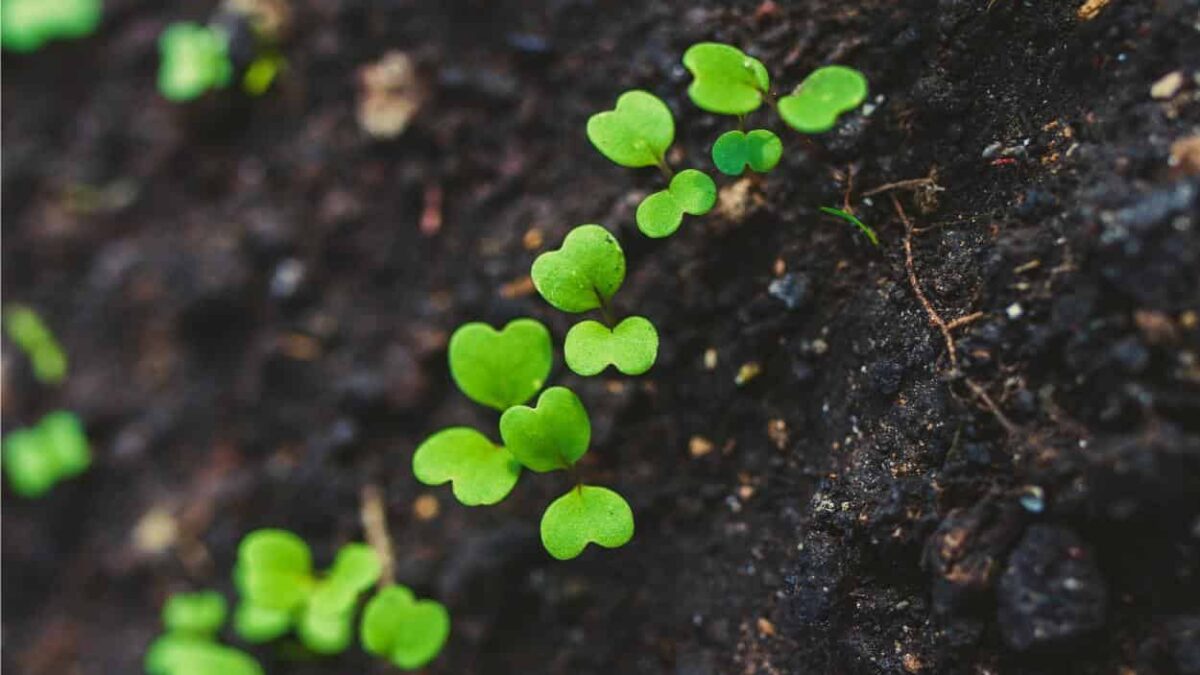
[[863, 509]]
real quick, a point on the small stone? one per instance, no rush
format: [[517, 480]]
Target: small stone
[[777, 431], [1090, 9], [426, 507], [1033, 499], [747, 372], [155, 532], [790, 289], [765, 627], [1185, 155], [533, 239], [390, 94], [699, 446], [710, 358], [1167, 86], [1014, 311], [912, 663]]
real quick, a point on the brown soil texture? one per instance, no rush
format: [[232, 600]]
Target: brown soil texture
[[256, 324]]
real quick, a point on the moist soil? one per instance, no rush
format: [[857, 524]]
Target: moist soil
[[255, 296]]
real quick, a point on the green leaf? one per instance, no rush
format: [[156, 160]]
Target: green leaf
[[480, 471], [631, 347], [690, 191], [200, 614], [30, 469], [274, 569], [25, 25], [257, 625], [727, 81], [584, 273], [853, 220], [503, 368], [357, 565], [186, 655], [636, 133], [760, 148], [826, 93], [554, 435], [64, 438], [407, 632], [193, 60], [27, 330], [586, 514], [325, 633]]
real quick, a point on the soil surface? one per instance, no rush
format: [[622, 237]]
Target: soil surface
[[255, 296]]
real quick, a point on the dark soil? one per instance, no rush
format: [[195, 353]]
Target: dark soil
[[866, 506]]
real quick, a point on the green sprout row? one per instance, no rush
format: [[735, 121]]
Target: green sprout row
[[280, 594]]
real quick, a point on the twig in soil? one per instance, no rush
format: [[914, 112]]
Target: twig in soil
[[910, 184], [934, 317], [374, 521], [965, 320], [982, 395]]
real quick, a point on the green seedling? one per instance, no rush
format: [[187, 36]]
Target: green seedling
[[500, 369], [850, 218], [407, 632], [280, 591], [690, 191], [584, 273], [586, 514], [551, 436], [824, 95], [37, 458], [193, 60], [631, 347], [27, 330], [725, 80], [480, 472], [735, 150], [636, 133], [189, 646], [25, 25]]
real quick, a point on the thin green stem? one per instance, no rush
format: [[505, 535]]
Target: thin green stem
[[665, 168]]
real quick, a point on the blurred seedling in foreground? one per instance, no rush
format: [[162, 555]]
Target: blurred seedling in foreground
[[638, 132], [407, 632], [27, 330], [38, 457], [26, 25], [193, 60], [190, 646], [280, 591]]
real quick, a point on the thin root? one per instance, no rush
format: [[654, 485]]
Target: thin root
[[374, 521]]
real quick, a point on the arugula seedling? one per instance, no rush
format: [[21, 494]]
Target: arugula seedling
[[725, 80], [690, 191], [280, 591], [586, 514], [500, 369], [824, 95], [479, 471], [407, 632], [27, 330], [189, 646], [25, 25], [37, 458], [850, 218], [631, 347], [193, 60], [735, 150], [551, 436], [636, 133]]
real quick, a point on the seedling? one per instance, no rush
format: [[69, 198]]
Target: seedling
[[500, 369], [726, 80], [735, 150], [479, 471], [38, 457], [690, 191], [586, 514], [193, 60], [190, 647], [584, 275], [824, 95], [850, 218], [638, 133], [407, 632], [27, 330], [280, 590], [25, 25]]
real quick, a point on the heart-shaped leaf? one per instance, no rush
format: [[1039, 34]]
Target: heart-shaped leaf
[[406, 631], [586, 514], [631, 347], [727, 81], [257, 625], [503, 368], [481, 472], [200, 614], [274, 569], [690, 191], [584, 273], [636, 133], [760, 149], [826, 93], [554, 435], [174, 654]]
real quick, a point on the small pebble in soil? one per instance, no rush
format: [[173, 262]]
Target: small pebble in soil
[[790, 289], [710, 358], [426, 507], [1051, 591], [1032, 499], [699, 446], [747, 372], [1014, 311]]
